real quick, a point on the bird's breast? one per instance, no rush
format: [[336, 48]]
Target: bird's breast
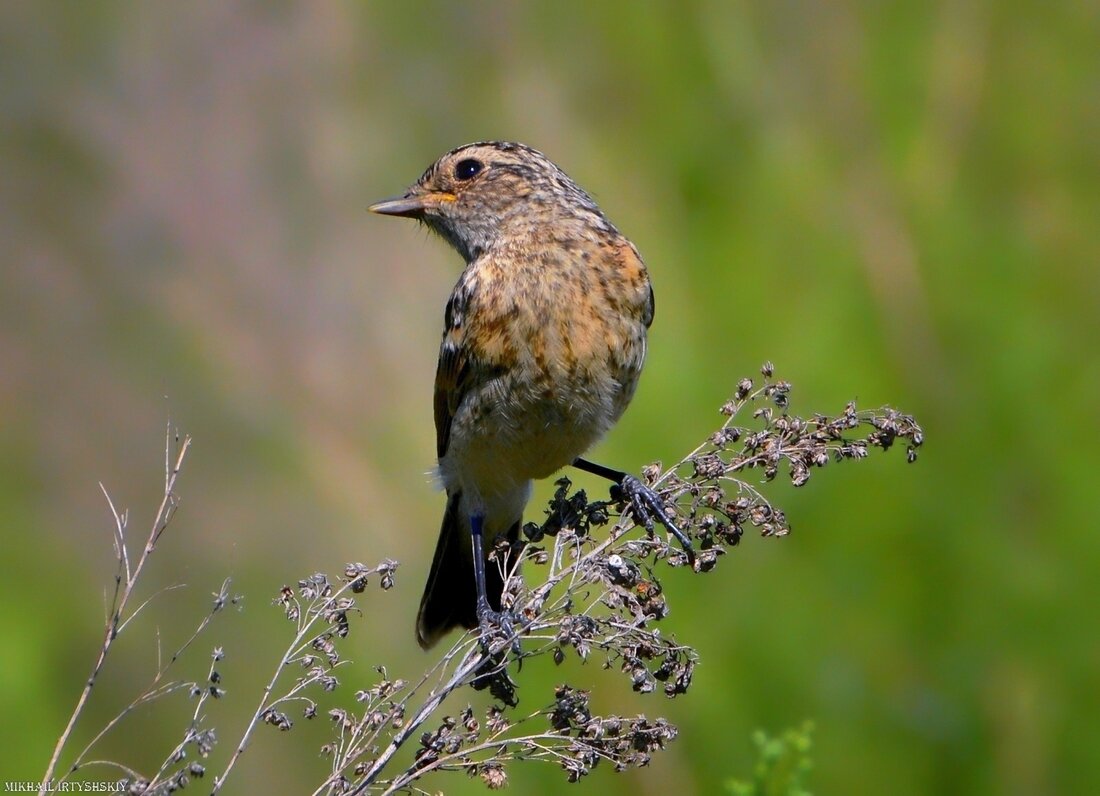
[[560, 338]]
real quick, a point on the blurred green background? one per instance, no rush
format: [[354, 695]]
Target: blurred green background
[[895, 202]]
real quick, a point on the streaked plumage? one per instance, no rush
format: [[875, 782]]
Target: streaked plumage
[[544, 340]]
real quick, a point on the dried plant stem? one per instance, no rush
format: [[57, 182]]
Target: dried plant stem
[[301, 641], [155, 690], [598, 595], [466, 670], [473, 664], [125, 580], [496, 744]]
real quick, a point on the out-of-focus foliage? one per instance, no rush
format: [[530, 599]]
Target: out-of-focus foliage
[[895, 202], [783, 766]]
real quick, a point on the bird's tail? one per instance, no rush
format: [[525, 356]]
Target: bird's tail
[[450, 596]]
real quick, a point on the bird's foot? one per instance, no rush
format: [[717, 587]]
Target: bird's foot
[[498, 624], [493, 672], [645, 504]]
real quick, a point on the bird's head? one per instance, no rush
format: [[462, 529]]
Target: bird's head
[[479, 194]]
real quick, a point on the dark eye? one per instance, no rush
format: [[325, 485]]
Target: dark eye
[[466, 169]]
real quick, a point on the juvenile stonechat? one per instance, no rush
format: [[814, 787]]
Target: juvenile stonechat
[[543, 343]]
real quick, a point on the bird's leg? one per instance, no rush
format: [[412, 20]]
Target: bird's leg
[[486, 616], [644, 502]]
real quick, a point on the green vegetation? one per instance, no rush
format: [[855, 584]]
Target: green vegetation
[[782, 768]]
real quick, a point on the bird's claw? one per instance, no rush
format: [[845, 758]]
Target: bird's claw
[[646, 505], [493, 623]]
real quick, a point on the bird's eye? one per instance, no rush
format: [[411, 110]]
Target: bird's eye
[[467, 169]]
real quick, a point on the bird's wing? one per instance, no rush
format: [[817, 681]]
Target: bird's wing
[[461, 368], [451, 384]]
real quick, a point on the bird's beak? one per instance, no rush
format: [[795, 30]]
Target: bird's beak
[[412, 204]]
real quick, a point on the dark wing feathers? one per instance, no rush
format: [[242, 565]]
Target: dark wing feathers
[[451, 384]]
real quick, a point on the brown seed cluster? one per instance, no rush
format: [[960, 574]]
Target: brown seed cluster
[[711, 491]]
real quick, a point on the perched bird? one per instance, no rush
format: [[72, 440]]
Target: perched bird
[[543, 343]]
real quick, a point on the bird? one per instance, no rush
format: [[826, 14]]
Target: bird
[[543, 344]]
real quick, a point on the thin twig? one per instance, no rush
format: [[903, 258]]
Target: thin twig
[[294, 649], [155, 690], [121, 600]]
